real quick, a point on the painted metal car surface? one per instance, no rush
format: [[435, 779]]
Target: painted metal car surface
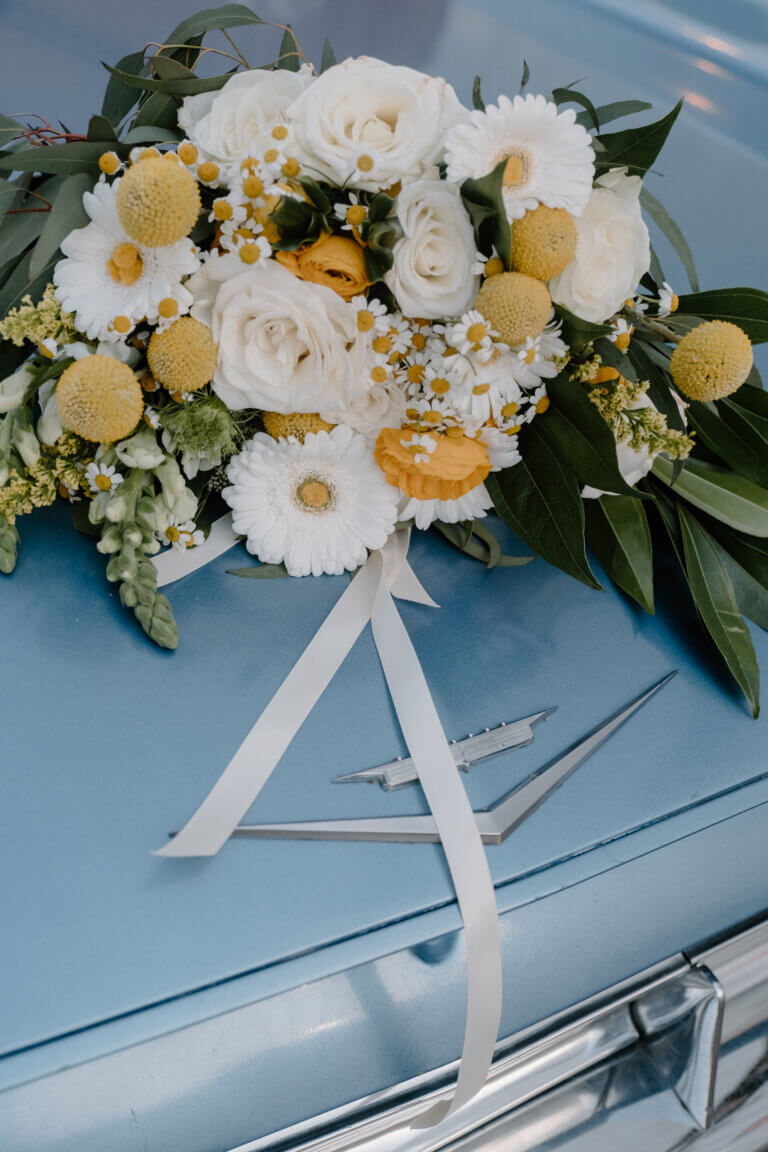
[[205, 1005]]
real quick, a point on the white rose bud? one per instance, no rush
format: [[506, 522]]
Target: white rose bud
[[612, 253]]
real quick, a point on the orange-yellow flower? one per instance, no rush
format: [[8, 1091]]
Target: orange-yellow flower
[[336, 262], [456, 465]]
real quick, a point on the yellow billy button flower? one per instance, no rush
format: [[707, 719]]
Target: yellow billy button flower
[[297, 424], [109, 163], [184, 357], [515, 305], [712, 360], [100, 399], [543, 242], [157, 203]]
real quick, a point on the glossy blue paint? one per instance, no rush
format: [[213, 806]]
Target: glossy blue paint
[[655, 843]]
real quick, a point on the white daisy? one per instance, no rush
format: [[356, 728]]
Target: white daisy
[[182, 535], [668, 301], [473, 505], [317, 507], [151, 418], [372, 315], [354, 214], [105, 276], [549, 156], [538, 402], [102, 477], [472, 333], [422, 445], [621, 333]]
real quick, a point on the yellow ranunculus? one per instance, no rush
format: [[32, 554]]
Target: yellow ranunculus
[[336, 262]]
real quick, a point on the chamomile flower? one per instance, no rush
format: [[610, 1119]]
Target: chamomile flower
[[621, 333], [472, 333], [538, 403], [182, 535], [471, 506], [548, 156], [317, 507], [110, 282], [102, 477], [151, 418], [421, 444], [668, 300], [372, 315], [354, 214]]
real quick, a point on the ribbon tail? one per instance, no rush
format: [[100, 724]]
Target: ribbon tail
[[238, 786], [461, 843]]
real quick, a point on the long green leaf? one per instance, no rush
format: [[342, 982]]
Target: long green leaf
[[22, 229], [577, 332], [636, 148], [66, 214], [289, 52], [739, 447], [606, 113], [21, 284], [571, 96], [212, 20], [62, 159], [328, 58], [613, 357], [746, 307], [718, 607], [748, 551], [671, 230], [485, 205], [541, 501], [119, 98], [729, 498], [9, 130], [181, 87], [618, 534], [752, 596], [583, 437], [159, 112]]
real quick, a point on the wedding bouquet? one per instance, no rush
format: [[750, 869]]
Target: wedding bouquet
[[336, 300]]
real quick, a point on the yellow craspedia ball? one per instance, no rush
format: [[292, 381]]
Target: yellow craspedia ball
[[100, 399], [297, 424], [157, 203], [517, 306], [712, 360], [184, 357], [543, 242]]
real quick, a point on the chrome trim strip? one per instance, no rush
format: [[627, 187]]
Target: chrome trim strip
[[674, 1016]]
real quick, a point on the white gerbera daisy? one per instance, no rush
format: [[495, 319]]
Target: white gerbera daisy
[[317, 507], [549, 156], [471, 506], [102, 477], [106, 277]]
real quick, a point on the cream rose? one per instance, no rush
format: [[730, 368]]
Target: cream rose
[[432, 271], [236, 121], [284, 345], [392, 118], [612, 253]]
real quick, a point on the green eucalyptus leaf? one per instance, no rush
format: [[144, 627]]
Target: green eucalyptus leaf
[[100, 129], [260, 572], [636, 149], [618, 534], [749, 552], [62, 159], [9, 130], [158, 112], [754, 380], [752, 596], [751, 430], [715, 598], [22, 229], [606, 113], [578, 431], [525, 77], [189, 86], [66, 214], [21, 284], [212, 20], [328, 58], [571, 96], [485, 205], [671, 230], [755, 402], [477, 96], [746, 307], [146, 134], [540, 500], [579, 333], [656, 270], [289, 57], [729, 498], [119, 98]]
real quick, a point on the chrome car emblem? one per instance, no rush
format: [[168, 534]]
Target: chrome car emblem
[[494, 823], [483, 745]]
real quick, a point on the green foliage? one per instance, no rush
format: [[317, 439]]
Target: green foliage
[[289, 57], [732, 499], [583, 437], [635, 148], [571, 96], [485, 205], [477, 97], [9, 539], [61, 159], [747, 307], [203, 427], [579, 333], [474, 539], [260, 572], [618, 534], [328, 57], [540, 499], [606, 113], [671, 230]]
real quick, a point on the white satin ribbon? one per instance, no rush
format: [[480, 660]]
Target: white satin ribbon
[[173, 564], [369, 596]]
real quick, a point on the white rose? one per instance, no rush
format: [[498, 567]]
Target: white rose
[[394, 116], [236, 121], [381, 406], [432, 271], [284, 345], [612, 253]]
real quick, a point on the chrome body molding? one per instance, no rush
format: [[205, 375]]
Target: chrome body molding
[[675, 1058]]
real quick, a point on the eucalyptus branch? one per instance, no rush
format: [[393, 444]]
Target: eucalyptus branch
[[653, 326], [227, 36]]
